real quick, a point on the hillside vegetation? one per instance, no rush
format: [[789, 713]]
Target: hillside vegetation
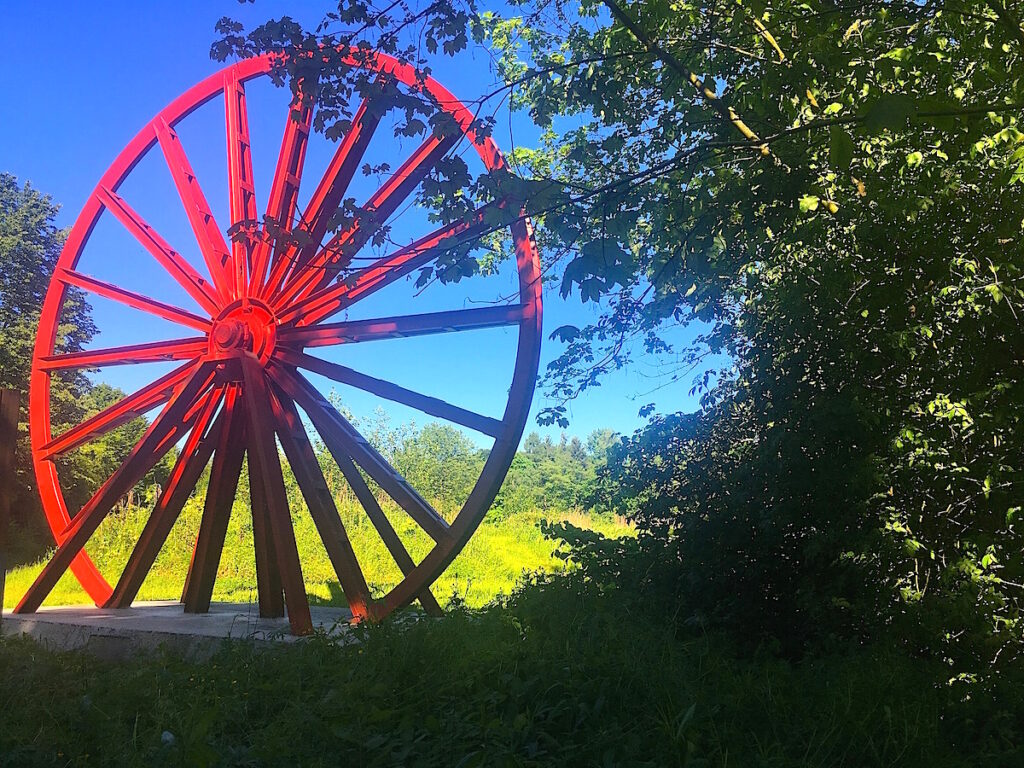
[[496, 558]]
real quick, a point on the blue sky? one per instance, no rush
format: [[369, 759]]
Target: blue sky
[[82, 78]]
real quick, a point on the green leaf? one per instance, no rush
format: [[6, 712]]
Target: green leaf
[[840, 148], [565, 333], [888, 112], [809, 203]]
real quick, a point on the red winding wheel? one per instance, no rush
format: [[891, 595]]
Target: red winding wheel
[[242, 363]]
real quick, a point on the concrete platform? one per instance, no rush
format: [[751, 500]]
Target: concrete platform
[[146, 626]]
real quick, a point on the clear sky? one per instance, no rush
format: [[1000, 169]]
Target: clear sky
[[80, 79]]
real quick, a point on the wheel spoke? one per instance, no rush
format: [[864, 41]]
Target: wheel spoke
[[403, 326], [384, 271], [121, 412], [385, 389], [268, 577], [377, 517], [157, 351], [220, 495], [204, 226], [177, 417], [284, 191], [191, 461], [132, 299], [242, 192], [335, 182], [328, 195], [327, 419], [264, 446], [198, 287], [321, 505], [322, 268]]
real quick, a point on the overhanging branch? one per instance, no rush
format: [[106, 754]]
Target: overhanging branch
[[673, 61]]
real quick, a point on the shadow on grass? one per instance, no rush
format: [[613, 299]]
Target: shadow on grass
[[559, 674], [335, 598]]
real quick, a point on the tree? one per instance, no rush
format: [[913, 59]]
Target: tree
[[87, 469], [836, 189], [30, 244], [600, 441], [441, 463], [546, 475], [850, 224]]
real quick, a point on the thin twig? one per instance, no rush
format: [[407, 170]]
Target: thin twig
[[675, 63]]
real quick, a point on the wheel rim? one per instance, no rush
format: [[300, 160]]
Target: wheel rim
[[240, 378]]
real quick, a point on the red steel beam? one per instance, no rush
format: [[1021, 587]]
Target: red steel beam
[[176, 418], [331, 190], [220, 495], [402, 326], [121, 412], [322, 268], [132, 299], [197, 286], [321, 505], [268, 577], [328, 196], [156, 351], [188, 467], [384, 271], [264, 446], [327, 419], [241, 190], [389, 391], [284, 191], [376, 515], [204, 226]]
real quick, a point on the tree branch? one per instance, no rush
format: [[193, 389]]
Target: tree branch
[[1007, 17], [977, 109], [675, 63], [769, 37]]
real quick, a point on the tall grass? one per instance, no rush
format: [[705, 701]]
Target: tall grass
[[558, 675], [501, 551]]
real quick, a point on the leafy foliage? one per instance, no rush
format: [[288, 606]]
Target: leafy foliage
[[440, 462], [443, 464], [859, 259], [30, 245], [836, 190]]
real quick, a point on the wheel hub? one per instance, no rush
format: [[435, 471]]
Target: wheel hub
[[244, 327]]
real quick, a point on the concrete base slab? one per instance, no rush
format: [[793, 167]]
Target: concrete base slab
[[119, 632]]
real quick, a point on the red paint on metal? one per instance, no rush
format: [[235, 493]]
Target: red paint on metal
[[284, 191], [261, 304], [244, 327]]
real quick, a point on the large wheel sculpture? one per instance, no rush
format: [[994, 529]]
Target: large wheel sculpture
[[241, 377]]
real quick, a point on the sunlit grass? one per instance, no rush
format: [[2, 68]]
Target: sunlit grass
[[491, 564]]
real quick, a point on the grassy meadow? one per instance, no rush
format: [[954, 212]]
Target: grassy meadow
[[558, 674], [535, 663], [495, 559]]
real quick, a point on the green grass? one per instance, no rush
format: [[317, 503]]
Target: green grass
[[557, 671], [558, 675], [491, 563]]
